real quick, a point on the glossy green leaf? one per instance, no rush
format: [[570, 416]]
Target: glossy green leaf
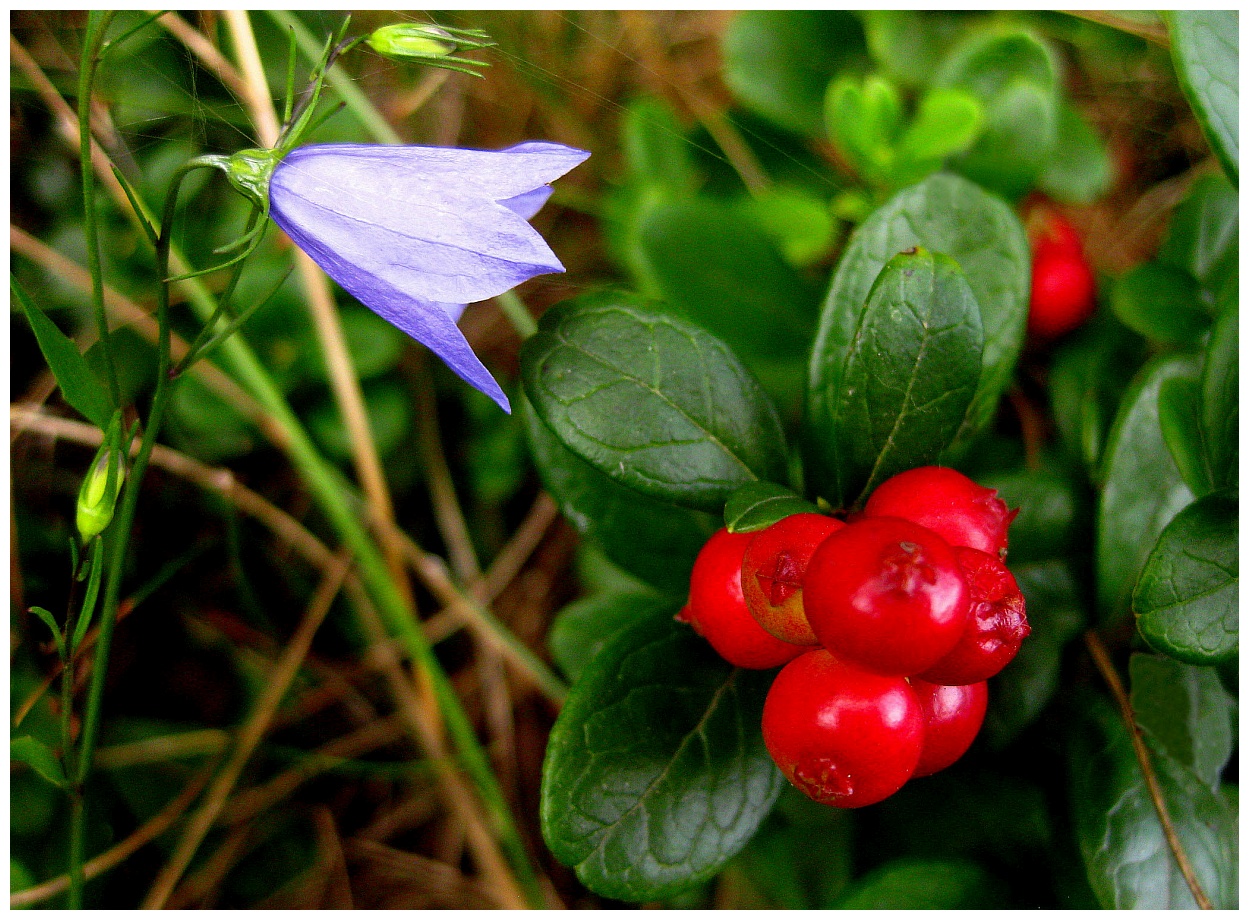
[[1179, 416], [652, 401], [1187, 599], [584, 627], [655, 773], [613, 516], [79, 385], [1015, 77], [1126, 855], [1056, 615], [1220, 397], [1162, 303], [757, 505], [1053, 512], [945, 214], [909, 374], [1187, 711], [779, 62], [783, 865], [1203, 236], [914, 884], [1205, 45], [1080, 169], [1143, 488], [39, 757]]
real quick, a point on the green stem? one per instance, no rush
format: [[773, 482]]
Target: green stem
[[517, 314], [88, 601], [97, 24]]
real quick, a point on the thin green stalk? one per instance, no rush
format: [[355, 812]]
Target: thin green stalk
[[97, 24], [517, 314]]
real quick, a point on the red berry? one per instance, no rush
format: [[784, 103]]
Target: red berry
[[842, 735], [995, 629], [776, 560], [1064, 289], [887, 595], [947, 502], [952, 718], [717, 610]]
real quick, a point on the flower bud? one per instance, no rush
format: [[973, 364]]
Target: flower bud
[[249, 171], [420, 41], [98, 496]]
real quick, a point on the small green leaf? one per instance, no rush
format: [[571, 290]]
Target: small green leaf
[[1205, 45], [799, 224], [50, 621], [1162, 303], [80, 386], [947, 122], [39, 757], [656, 149], [915, 884], [1187, 711], [779, 62], [1143, 488], [1080, 170], [655, 773], [1179, 416], [1187, 599], [584, 627], [613, 516], [944, 214], [1129, 864], [864, 121], [909, 44], [757, 505], [652, 401], [1220, 397]]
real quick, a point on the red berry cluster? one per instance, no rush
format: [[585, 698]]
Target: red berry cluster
[[888, 626]]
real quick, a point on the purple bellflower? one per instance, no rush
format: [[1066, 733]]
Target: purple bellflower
[[416, 233]]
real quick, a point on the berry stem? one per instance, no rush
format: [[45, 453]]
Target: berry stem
[[1101, 658]]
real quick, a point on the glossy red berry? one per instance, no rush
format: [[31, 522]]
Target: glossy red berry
[[887, 595], [1064, 288], [842, 735], [947, 502], [717, 610], [995, 628], [952, 719], [776, 561]]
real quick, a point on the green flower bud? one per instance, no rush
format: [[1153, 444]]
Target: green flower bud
[[249, 171], [97, 498], [402, 41]]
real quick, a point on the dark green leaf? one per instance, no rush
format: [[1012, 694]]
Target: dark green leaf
[[1186, 601], [909, 375], [1162, 303], [1220, 397], [1027, 685], [913, 884], [1126, 855], [655, 773], [614, 516], [757, 505], [1143, 489], [1205, 45], [944, 214], [581, 629], [1179, 416], [80, 386], [1052, 512], [1203, 236], [39, 757], [656, 148], [786, 868], [1187, 712], [779, 62], [1080, 170], [654, 402]]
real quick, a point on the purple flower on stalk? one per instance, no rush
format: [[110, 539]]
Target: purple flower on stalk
[[416, 233]]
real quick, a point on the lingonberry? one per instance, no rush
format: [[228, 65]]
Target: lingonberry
[[886, 594], [947, 502], [995, 628], [1064, 289], [717, 610], [844, 736], [776, 560], [952, 718]]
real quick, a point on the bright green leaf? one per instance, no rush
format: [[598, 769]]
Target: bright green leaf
[[655, 773], [652, 401], [1205, 45], [1187, 599], [1162, 303], [757, 505], [948, 121]]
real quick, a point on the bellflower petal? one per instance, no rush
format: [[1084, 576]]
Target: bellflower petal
[[414, 233]]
